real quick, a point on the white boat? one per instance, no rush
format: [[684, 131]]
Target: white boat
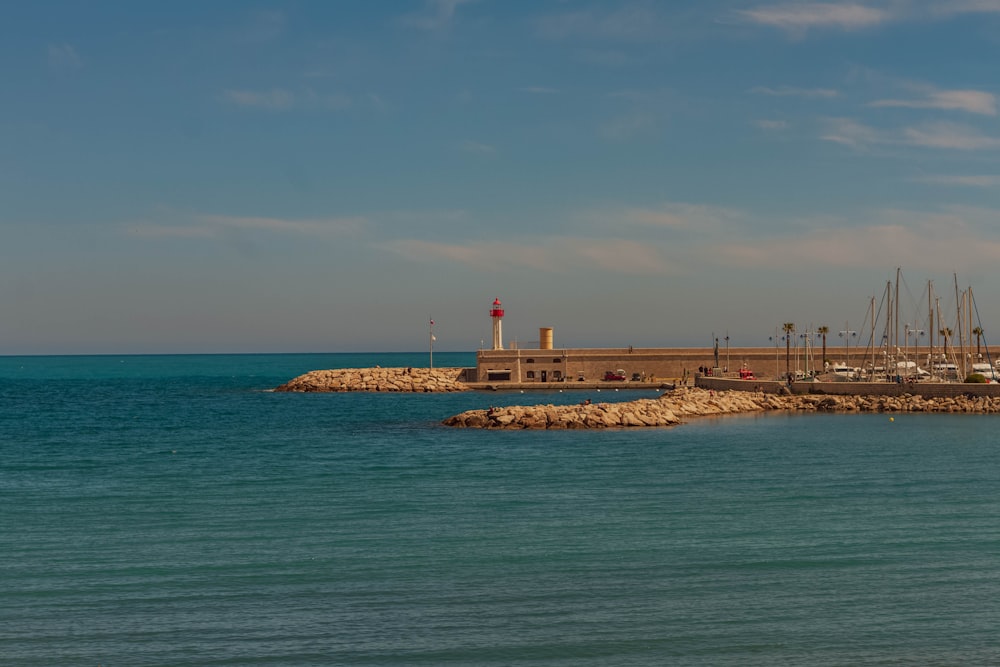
[[844, 371], [987, 370], [909, 369], [945, 370]]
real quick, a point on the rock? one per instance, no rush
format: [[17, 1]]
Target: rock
[[670, 408], [377, 380]]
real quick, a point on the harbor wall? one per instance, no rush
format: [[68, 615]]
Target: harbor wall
[[926, 389], [660, 364]]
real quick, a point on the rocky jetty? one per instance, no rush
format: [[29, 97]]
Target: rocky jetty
[[674, 406], [419, 380]]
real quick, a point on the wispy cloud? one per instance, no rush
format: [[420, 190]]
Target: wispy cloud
[[970, 181], [270, 99], [791, 91], [799, 18], [702, 218], [539, 90], [548, 254], [630, 126], [949, 237], [312, 227], [945, 136], [636, 21], [261, 27], [478, 148], [851, 133], [615, 255], [603, 57], [492, 254], [773, 125], [63, 57], [436, 15], [950, 136], [958, 7], [210, 226], [278, 99], [153, 230], [970, 101]]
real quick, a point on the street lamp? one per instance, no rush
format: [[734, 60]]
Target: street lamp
[[727, 351], [774, 339]]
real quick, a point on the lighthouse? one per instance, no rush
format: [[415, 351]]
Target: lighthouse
[[496, 312]]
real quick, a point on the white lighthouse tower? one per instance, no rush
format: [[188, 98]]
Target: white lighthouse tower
[[496, 312]]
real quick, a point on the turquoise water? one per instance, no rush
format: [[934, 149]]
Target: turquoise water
[[169, 510]]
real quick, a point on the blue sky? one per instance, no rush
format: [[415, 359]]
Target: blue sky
[[326, 176]]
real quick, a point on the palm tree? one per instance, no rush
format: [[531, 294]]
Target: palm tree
[[789, 329], [979, 335], [823, 331]]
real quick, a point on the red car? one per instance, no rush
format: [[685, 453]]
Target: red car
[[615, 376]]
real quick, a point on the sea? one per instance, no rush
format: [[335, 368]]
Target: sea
[[173, 510]]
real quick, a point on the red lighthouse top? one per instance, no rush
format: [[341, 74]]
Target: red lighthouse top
[[496, 310]]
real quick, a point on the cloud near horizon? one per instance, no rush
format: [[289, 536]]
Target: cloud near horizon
[[702, 218], [770, 124], [550, 254], [940, 135], [792, 91], [952, 237], [208, 226], [630, 22], [278, 99], [968, 180], [970, 101], [477, 147], [801, 17], [63, 57], [436, 15], [797, 19]]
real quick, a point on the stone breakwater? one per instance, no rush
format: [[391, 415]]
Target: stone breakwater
[[418, 380], [674, 406]]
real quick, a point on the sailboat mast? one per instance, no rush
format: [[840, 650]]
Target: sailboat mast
[[873, 339], [894, 343], [930, 320], [968, 319], [944, 352], [961, 340]]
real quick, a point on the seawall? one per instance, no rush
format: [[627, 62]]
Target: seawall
[[925, 389], [674, 406]]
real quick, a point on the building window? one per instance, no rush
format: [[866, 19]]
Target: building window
[[531, 375], [557, 361], [530, 361]]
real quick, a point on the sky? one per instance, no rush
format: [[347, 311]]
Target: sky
[[328, 176]]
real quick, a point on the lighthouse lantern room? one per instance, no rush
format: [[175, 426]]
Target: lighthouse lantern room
[[496, 312]]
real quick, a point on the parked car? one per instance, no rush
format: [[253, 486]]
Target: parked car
[[636, 377], [614, 376]]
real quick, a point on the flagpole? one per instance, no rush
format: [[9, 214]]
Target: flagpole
[[431, 343]]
